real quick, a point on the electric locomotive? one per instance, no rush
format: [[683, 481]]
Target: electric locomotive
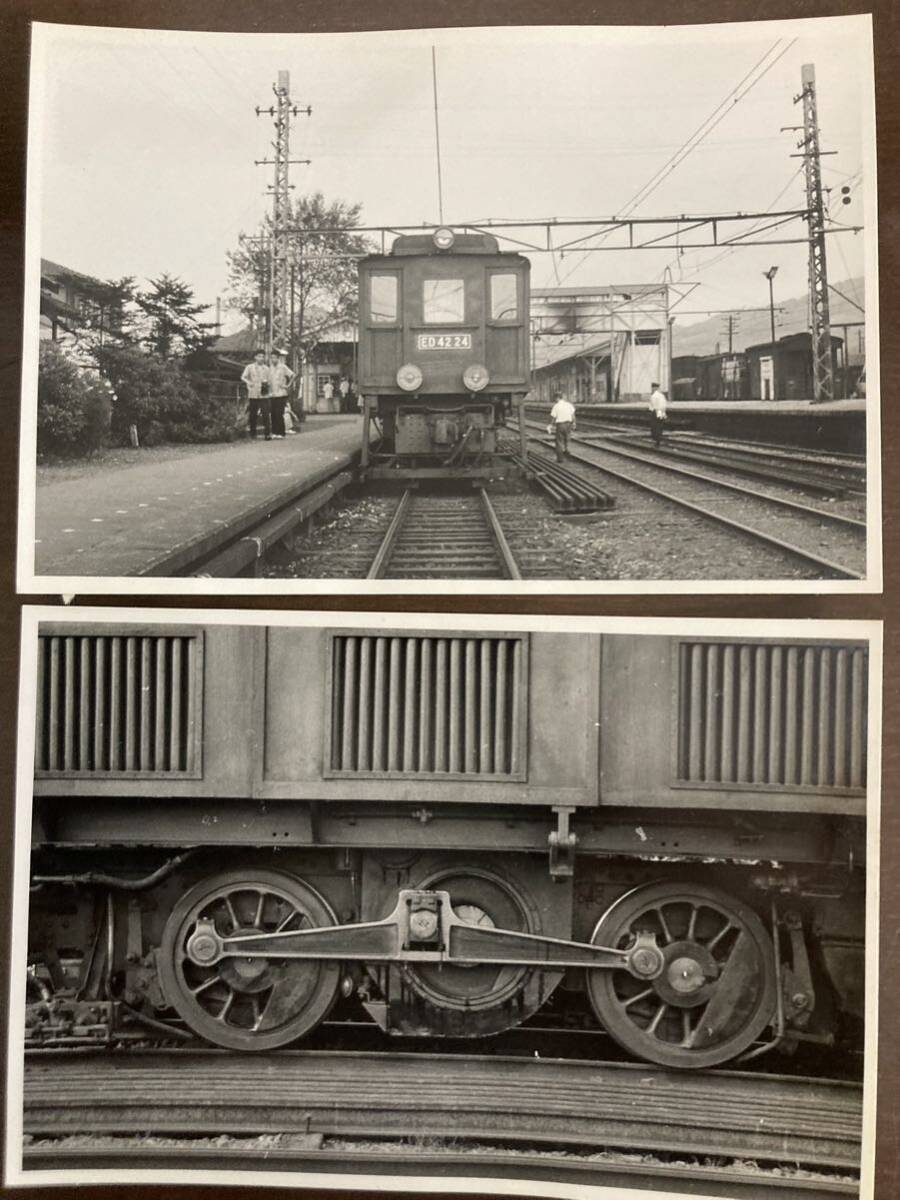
[[443, 354], [238, 830]]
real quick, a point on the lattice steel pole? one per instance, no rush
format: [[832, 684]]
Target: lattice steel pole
[[279, 325], [820, 323]]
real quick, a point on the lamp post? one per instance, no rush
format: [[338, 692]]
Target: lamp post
[[770, 275]]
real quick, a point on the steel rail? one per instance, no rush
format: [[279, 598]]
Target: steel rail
[[506, 555], [735, 1183], [568, 491], [386, 549], [754, 493], [805, 455], [739, 464], [563, 1103], [758, 535]]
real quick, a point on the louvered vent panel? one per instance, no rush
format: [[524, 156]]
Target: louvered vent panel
[[116, 704], [793, 716], [427, 705]]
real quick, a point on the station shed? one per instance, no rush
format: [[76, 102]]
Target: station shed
[[722, 377], [788, 374], [334, 355]]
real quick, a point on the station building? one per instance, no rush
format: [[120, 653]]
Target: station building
[[601, 344]]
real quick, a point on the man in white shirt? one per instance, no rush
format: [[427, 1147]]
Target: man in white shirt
[[657, 406], [256, 380], [280, 379], [562, 417]]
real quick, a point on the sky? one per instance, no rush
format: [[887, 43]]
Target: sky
[[143, 142]]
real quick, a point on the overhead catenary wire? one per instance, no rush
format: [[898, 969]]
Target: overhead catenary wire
[[717, 258], [722, 109]]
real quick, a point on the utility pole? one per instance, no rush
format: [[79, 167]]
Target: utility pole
[[732, 321], [278, 330], [770, 275], [823, 375]]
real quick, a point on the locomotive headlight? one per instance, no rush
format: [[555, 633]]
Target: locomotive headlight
[[409, 377], [476, 377], [443, 238]]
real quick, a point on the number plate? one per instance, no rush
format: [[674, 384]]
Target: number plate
[[444, 341]]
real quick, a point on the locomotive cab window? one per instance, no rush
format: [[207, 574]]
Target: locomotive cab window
[[504, 298], [383, 299], [443, 301]]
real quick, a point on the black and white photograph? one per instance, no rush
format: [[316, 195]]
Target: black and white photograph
[[550, 906], [577, 309]]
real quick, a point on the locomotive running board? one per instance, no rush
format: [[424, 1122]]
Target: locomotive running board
[[424, 928]]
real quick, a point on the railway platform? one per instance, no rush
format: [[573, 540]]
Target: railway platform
[[837, 426], [156, 518]]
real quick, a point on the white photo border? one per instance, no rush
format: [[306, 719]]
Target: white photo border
[[30, 582], [33, 616]]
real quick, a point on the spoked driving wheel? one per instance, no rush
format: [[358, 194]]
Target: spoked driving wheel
[[248, 1003], [483, 898], [716, 992]]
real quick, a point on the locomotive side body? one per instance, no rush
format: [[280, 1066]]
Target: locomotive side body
[[443, 353], [241, 827]]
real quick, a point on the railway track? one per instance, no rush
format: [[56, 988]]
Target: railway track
[[793, 528], [829, 468], [714, 1123], [817, 473], [444, 537], [345, 1158]]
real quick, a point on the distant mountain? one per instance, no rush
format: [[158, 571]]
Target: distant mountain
[[706, 337]]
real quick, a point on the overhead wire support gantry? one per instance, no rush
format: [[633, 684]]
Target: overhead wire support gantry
[[706, 229]]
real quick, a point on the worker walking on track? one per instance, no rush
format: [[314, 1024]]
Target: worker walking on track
[[562, 418], [657, 406], [280, 379], [255, 378]]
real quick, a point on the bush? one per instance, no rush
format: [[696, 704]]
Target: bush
[[157, 397], [73, 408]]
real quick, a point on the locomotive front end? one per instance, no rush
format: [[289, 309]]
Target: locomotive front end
[[443, 356]]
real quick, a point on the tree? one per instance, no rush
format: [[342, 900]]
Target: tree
[[158, 399], [323, 278], [169, 323], [73, 405]]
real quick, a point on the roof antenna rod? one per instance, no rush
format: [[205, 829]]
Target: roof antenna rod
[[437, 136]]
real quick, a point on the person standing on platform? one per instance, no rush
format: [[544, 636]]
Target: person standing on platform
[[657, 406], [255, 378], [327, 395], [562, 418], [280, 379], [344, 389]]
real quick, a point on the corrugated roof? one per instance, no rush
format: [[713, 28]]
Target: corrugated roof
[[52, 269], [242, 342]]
